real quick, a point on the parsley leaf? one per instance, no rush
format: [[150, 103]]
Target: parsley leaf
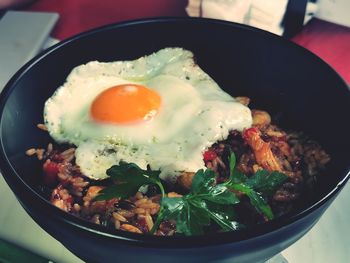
[[261, 183], [236, 176], [255, 199], [265, 182], [203, 186], [205, 202], [189, 219], [129, 178], [223, 215]]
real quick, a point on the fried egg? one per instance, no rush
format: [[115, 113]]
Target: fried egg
[[160, 110]]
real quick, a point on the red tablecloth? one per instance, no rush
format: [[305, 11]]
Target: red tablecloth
[[329, 41]]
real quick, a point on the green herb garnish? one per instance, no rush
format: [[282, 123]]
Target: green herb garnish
[[266, 182], [261, 183], [206, 202], [129, 178]]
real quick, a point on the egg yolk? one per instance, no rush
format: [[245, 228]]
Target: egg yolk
[[125, 103]]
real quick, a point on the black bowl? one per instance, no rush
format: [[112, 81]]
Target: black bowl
[[279, 76]]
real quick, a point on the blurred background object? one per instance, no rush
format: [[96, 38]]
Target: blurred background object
[[336, 11], [23, 35], [309, 23], [77, 16], [8, 4], [281, 17], [13, 253]]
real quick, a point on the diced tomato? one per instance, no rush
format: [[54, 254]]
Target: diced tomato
[[69, 200], [250, 132], [209, 155], [51, 170]]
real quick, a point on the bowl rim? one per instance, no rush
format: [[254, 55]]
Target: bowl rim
[[148, 240]]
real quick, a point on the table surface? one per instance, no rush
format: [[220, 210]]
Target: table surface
[[329, 41]]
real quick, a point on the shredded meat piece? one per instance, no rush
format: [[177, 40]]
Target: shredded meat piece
[[262, 150]]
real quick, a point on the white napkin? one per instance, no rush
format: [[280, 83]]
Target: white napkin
[[264, 14]]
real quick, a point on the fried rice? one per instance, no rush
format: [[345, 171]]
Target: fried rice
[[299, 157]]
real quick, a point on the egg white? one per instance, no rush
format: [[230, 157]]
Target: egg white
[[194, 114]]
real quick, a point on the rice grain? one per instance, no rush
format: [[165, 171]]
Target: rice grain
[[117, 224], [41, 126], [130, 228], [149, 221], [139, 210], [31, 151], [49, 148], [119, 217], [40, 153]]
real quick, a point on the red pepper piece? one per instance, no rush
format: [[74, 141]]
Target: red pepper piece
[[209, 155], [51, 170]]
